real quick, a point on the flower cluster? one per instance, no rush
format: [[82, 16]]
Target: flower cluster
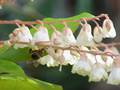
[[96, 66]]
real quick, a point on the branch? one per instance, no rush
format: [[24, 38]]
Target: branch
[[47, 44], [49, 22]]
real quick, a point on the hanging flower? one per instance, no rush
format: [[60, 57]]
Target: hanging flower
[[98, 35], [108, 29], [114, 77], [57, 55], [69, 58], [81, 67], [98, 73], [91, 58], [85, 36], [100, 60], [68, 36], [47, 60], [56, 38], [21, 34], [41, 35], [108, 62]]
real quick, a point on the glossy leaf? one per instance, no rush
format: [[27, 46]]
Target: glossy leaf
[[19, 83], [9, 53], [10, 68]]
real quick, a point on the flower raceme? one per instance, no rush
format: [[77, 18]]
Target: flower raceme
[[95, 66]]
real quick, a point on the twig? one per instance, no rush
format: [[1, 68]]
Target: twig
[[73, 48], [48, 22]]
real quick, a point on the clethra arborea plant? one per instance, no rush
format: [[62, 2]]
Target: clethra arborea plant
[[85, 52]]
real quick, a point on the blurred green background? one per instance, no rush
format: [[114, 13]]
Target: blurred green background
[[39, 9]]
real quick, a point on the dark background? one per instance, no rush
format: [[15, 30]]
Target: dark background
[[38, 9]]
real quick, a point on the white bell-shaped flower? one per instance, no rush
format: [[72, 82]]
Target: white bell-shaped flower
[[57, 38], [69, 58], [47, 60], [100, 60], [108, 29], [98, 73], [68, 36], [57, 55], [81, 67], [114, 77], [108, 62], [41, 35], [21, 34], [98, 35], [85, 36], [90, 57]]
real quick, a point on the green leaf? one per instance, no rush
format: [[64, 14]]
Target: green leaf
[[10, 68], [19, 83], [9, 53], [72, 25], [48, 86]]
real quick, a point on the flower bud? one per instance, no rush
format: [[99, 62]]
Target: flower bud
[[85, 36], [108, 29]]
